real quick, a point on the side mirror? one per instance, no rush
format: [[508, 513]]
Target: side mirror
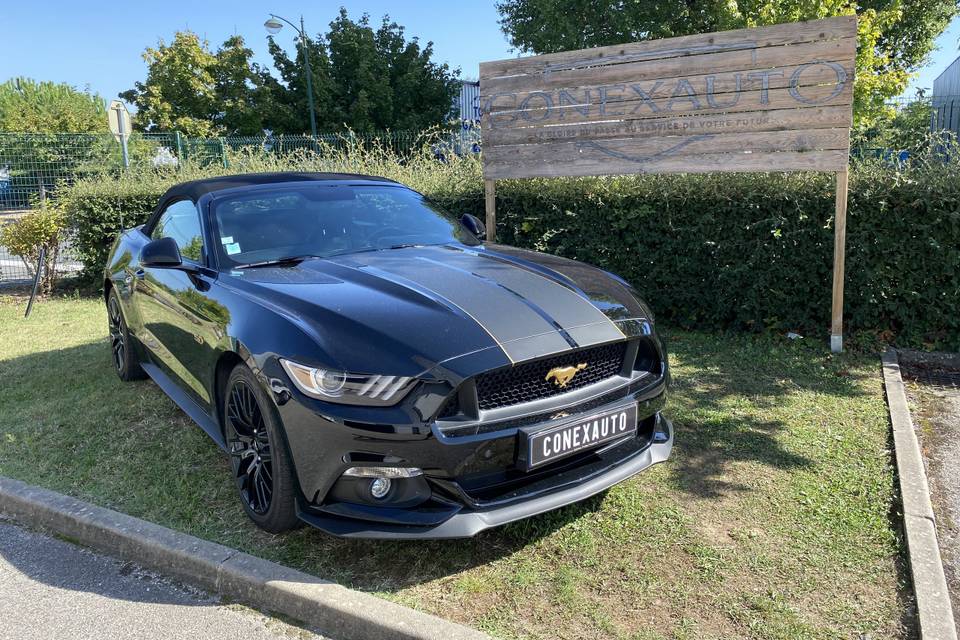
[[161, 253], [474, 226]]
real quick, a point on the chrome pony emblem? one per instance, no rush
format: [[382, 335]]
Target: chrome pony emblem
[[562, 376]]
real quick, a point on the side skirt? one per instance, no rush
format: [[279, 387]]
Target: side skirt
[[186, 403]]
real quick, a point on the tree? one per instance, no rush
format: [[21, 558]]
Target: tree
[[363, 93], [895, 36], [179, 93], [364, 79], [46, 107], [191, 89], [422, 90], [290, 113], [241, 92]]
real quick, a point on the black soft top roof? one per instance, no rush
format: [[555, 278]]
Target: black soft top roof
[[197, 188]]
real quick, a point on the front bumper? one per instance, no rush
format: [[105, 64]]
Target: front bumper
[[474, 474], [468, 522]]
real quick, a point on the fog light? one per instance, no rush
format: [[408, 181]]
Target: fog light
[[380, 487]]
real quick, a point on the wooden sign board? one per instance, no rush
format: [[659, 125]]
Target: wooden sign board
[[775, 98]]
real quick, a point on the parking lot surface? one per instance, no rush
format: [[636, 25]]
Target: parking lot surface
[[934, 395], [50, 588]]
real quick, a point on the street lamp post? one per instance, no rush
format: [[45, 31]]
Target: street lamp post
[[273, 27]]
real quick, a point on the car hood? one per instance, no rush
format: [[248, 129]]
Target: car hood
[[408, 311]]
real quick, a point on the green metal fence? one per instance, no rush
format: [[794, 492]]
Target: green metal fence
[[32, 165]]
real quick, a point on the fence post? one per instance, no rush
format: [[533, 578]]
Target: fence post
[[179, 143], [223, 152]]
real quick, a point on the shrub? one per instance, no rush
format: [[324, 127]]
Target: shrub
[[729, 251], [100, 208], [39, 230]]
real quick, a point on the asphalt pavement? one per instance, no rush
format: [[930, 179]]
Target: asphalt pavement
[[50, 588], [935, 405]]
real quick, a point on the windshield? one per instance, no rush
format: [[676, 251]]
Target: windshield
[[324, 220]]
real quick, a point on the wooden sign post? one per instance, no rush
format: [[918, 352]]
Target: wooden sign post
[[839, 250], [775, 98]]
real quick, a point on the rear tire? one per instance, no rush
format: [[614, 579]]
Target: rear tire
[[125, 360], [259, 460]]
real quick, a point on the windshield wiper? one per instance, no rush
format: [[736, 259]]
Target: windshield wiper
[[278, 262], [345, 252], [293, 260]]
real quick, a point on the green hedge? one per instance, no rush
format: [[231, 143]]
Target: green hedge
[[727, 251], [755, 251]]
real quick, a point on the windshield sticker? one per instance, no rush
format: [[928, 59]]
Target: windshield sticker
[[226, 240], [232, 248]]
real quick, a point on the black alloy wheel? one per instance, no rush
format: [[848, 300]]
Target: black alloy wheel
[[117, 342], [259, 461], [124, 358], [250, 448]]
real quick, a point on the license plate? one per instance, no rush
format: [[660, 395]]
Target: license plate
[[566, 439]]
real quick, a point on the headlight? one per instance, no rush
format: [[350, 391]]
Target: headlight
[[348, 388]]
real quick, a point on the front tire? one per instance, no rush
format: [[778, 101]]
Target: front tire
[[258, 456], [125, 361]]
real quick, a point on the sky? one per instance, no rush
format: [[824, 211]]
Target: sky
[[948, 50], [99, 44]]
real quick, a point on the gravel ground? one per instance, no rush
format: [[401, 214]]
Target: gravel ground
[[934, 396], [50, 588]]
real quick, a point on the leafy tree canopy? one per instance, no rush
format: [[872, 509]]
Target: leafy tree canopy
[[47, 107], [192, 89], [363, 78], [241, 88], [895, 36]]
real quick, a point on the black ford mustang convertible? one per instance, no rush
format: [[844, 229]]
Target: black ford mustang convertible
[[372, 367]]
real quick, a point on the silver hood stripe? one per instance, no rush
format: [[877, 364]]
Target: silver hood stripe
[[526, 314]]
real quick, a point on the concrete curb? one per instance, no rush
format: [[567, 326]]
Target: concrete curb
[[335, 611], [929, 582]]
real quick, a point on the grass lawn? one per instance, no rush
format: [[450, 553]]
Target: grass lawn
[[772, 519]]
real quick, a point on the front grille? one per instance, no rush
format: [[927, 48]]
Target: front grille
[[527, 381]]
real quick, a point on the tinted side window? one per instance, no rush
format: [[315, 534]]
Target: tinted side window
[[181, 221]]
